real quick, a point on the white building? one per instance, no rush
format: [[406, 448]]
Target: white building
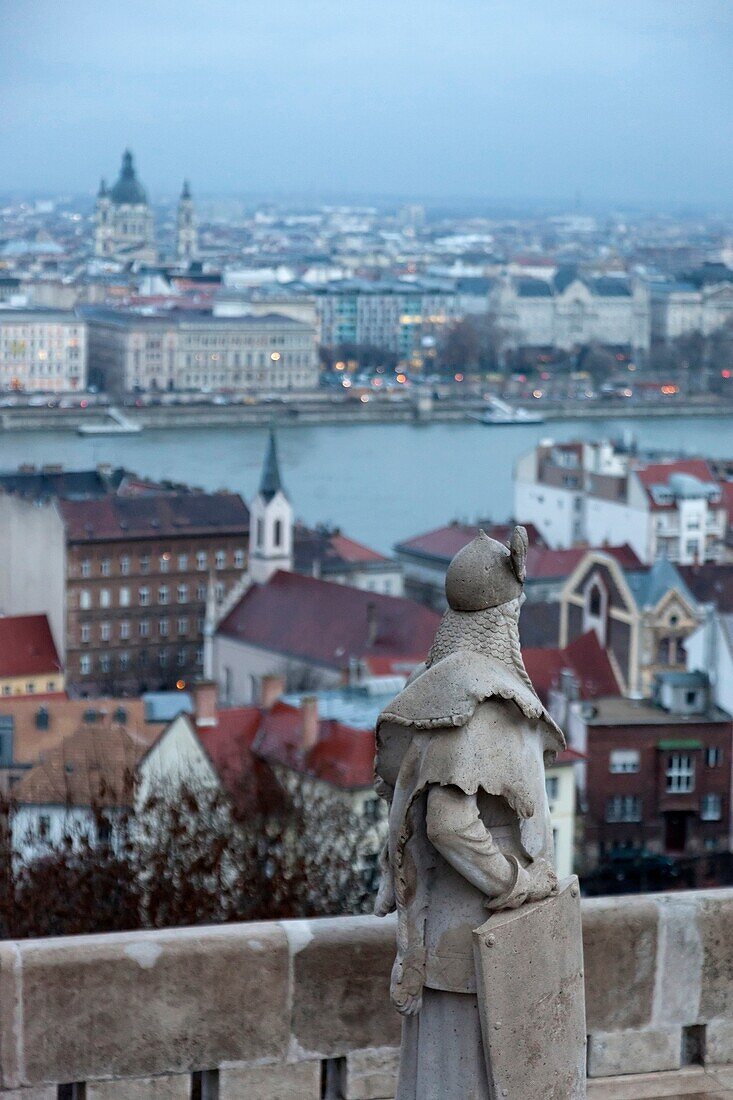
[[566, 311], [186, 351], [681, 308], [42, 350], [589, 493]]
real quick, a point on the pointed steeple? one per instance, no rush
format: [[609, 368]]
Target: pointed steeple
[[271, 482], [102, 193], [186, 192]]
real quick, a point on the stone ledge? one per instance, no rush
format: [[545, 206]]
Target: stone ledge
[[692, 1082]]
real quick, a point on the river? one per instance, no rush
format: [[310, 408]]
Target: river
[[380, 483]]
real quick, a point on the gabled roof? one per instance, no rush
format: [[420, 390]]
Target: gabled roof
[[92, 767], [328, 624], [320, 551], [154, 515], [443, 543], [656, 475], [26, 646], [648, 586], [584, 657], [342, 756], [544, 563]]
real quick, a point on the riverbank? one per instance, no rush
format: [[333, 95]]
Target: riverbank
[[329, 410]]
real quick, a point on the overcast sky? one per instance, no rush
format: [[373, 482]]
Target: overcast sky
[[616, 100]]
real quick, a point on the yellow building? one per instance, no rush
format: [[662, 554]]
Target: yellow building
[[561, 795]]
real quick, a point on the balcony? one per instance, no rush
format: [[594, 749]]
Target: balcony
[[300, 1008]]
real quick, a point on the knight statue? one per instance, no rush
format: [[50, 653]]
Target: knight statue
[[461, 755]]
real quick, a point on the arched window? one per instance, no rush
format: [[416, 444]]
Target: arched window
[[594, 602], [278, 534]]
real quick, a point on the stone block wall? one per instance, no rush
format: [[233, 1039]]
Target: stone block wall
[[300, 1009]]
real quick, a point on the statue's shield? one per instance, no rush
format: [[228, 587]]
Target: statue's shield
[[529, 964]]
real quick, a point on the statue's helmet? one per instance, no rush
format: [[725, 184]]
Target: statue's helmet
[[486, 573]]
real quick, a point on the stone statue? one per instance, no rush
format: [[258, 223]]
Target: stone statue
[[461, 755]]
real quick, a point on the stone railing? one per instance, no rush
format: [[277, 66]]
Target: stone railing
[[300, 1009]]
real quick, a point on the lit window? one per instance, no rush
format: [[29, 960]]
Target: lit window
[[624, 761], [680, 774], [124, 597], [711, 807], [85, 599], [163, 594]]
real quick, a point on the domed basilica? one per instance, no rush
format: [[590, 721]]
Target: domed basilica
[[124, 228]]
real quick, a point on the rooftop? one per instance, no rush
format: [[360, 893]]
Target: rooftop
[[617, 711], [27, 647], [154, 515]]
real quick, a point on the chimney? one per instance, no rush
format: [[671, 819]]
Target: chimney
[[309, 713], [272, 687], [205, 702]]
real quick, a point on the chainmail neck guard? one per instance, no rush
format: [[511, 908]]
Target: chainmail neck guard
[[494, 633]]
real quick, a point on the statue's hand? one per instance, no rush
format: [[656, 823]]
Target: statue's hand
[[543, 880], [385, 902], [407, 985]]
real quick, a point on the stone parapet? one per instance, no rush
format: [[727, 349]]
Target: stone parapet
[[276, 1009]]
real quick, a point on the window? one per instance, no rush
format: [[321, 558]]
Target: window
[[163, 594], [105, 597], [44, 826], [182, 593], [239, 559], [201, 559], [144, 563], [183, 626], [124, 630], [86, 568], [124, 597], [85, 599], [711, 807], [165, 561], [219, 592], [162, 657], [713, 757], [182, 657], [124, 662], [86, 632], [277, 537], [594, 601], [221, 559], [105, 663], [260, 533], [199, 656], [85, 664], [623, 761], [680, 773], [623, 807], [163, 628], [182, 563], [106, 567], [105, 631], [144, 628], [125, 565], [201, 592], [144, 597], [552, 786]]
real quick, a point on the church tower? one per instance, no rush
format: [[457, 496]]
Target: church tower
[[103, 222], [270, 522], [186, 238]]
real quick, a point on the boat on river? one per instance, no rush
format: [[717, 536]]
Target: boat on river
[[500, 412], [116, 424]]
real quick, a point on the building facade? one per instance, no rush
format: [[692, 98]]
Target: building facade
[[586, 493], [681, 308], [43, 351], [135, 353], [567, 311], [123, 220], [124, 580]]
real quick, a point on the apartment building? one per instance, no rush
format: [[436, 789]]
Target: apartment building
[[590, 493], [124, 580], [262, 354], [42, 350]]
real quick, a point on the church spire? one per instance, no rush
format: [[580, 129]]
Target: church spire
[[186, 191], [271, 482]]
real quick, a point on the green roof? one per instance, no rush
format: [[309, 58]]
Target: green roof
[[681, 743], [128, 191]]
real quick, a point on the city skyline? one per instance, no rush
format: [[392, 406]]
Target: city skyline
[[591, 106]]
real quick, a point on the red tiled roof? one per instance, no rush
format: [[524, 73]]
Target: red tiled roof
[[658, 473], [342, 755], [570, 756], [154, 515], [327, 624], [26, 646], [444, 542], [545, 563], [349, 550], [585, 657]]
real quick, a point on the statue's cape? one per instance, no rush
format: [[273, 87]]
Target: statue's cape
[[448, 693]]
